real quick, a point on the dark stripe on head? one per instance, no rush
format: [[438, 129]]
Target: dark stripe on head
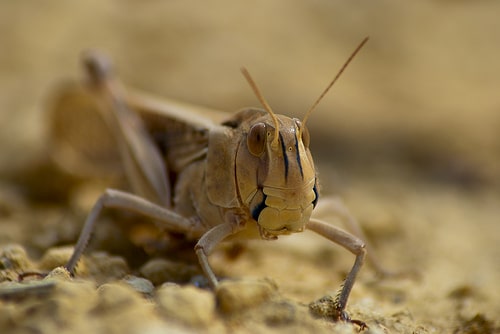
[[297, 156], [258, 209], [315, 200], [285, 156]]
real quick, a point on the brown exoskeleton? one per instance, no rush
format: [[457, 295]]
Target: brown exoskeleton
[[251, 175]]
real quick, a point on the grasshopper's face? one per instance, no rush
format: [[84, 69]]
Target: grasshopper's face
[[277, 179], [275, 172]]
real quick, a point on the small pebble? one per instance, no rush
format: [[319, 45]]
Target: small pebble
[[159, 271], [58, 257], [59, 273], [105, 267], [128, 312], [186, 304], [14, 256], [323, 307], [238, 295], [139, 284], [79, 296], [117, 295]]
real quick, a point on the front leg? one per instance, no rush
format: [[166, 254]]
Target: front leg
[[335, 206], [235, 222], [205, 246], [352, 244]]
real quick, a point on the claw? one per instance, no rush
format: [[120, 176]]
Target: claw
[[342, 315], [362, 325]]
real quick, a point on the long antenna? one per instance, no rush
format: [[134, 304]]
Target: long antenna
[[264, 103], [315, 104]]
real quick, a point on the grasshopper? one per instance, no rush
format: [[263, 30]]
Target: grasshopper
[[248, 176]]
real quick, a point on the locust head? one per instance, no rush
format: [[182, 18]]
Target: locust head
[[276, 176], [279, 179]]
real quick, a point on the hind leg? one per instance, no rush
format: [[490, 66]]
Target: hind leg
[[166, 219]]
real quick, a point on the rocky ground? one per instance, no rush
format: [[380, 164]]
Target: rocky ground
[[408, 139]]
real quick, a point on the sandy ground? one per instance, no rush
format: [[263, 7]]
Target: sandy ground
[[408, 138]]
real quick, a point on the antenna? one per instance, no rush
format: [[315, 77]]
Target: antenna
[[263, 102], [315, 104]]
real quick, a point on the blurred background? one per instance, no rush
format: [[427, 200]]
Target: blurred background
[[423, 93], [409, 136]]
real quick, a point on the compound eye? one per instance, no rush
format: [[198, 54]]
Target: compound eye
[[306, 139], [256, 139]]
